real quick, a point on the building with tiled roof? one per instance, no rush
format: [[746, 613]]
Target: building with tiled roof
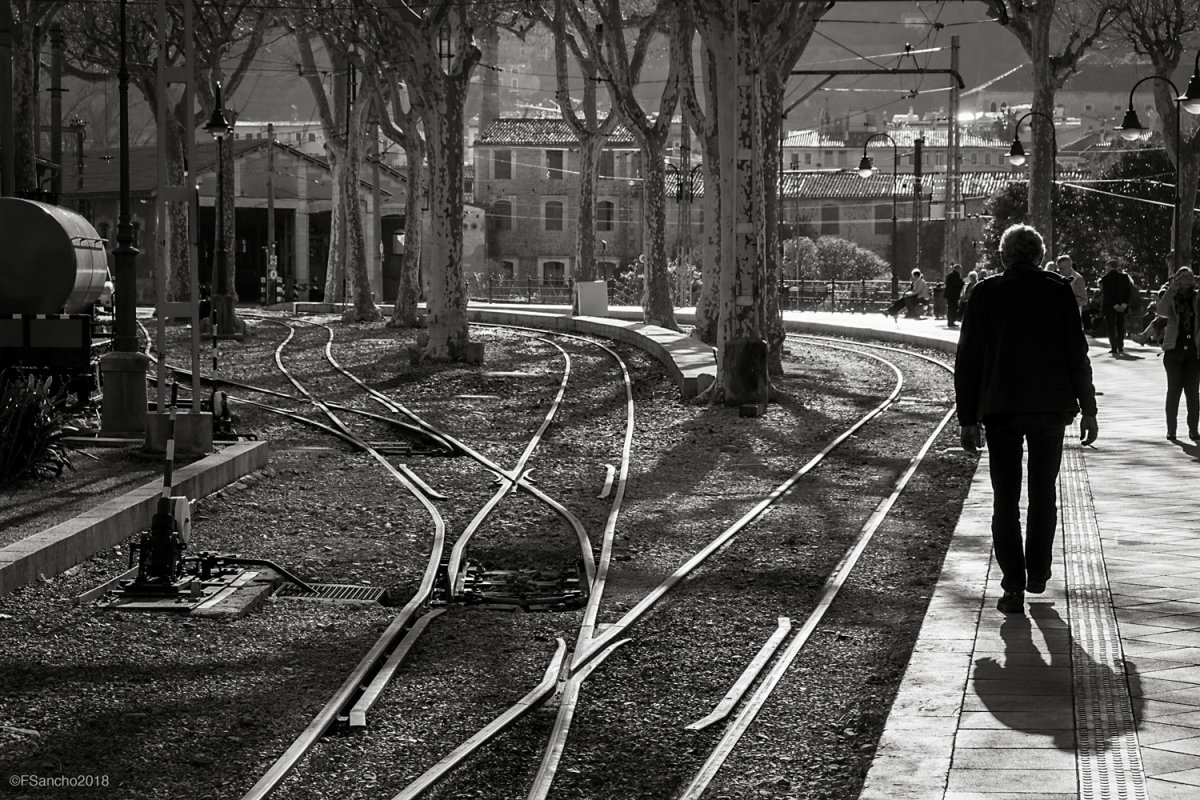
[[542, 132], [812, 149]]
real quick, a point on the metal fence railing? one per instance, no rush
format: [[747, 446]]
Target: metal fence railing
[[851, 296], [854, 296]]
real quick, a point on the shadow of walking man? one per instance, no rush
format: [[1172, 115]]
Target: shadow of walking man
[[1033, 688], [1029, 689]]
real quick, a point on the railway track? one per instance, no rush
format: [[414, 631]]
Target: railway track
[[509, 480], [595, 642], [591, 651]]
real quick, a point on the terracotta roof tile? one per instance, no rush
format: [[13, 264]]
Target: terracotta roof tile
[[541, 132]]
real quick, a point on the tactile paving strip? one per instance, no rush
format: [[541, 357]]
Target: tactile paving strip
[[1108, 759]]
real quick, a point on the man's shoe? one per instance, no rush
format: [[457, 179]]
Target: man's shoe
[[1171, 436], [1012, 603], [1194, 435], [1035, 586]]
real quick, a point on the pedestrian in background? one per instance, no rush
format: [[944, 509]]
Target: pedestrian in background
[[952, 294], [1066, 268], [1180, 304], [915, 298], [1022, 370], [1116, 292], [969, 284]]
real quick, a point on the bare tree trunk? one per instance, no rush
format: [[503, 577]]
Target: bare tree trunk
[[1041, 170], [708, 308], [404, 313], [741, 268], [657, 308], [770, 109], [585, 228], [448, 334], [362, 301], [1189, 183]]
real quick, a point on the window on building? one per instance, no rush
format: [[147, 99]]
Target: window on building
[[808, 159], [1087, 106], [987, 159], [608, 164], [312, 137], [508, 270], [830, 217], [555, 161], [502, 215], [552, 215], [502, 165], [841, 158], [974, 157], [606, 215], [554, 273], [795, 161], [883, 220]]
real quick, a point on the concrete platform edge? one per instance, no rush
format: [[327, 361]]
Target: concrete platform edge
[[61, 547]]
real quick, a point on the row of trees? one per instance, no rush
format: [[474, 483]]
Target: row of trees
[[728, 67]]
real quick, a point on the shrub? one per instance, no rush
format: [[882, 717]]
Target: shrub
[[33, 423]]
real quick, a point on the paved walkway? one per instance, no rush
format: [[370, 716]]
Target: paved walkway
[[1096, 693]]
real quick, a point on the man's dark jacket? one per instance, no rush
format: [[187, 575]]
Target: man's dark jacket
[[954, 285], [1116, 288], [1022, 349]]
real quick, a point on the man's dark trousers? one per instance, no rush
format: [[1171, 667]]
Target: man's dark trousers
[[1114, 323], [952, 308], [1006, 436]]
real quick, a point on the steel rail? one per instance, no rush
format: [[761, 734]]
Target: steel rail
[[514, 477], [829, 592], [375, 657], [454, 563], [573, 683], [491, 730], [570, 683], [595, 649], [656, 594]]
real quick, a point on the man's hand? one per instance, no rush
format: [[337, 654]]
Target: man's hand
[[971, 437], [1088, 430]]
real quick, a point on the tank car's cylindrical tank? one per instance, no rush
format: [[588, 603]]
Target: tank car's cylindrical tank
[[52, 261]]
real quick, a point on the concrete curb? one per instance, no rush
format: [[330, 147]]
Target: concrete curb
[[63, 546], [690, 363]]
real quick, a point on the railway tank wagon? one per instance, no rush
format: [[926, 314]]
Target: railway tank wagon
[[53, 269]]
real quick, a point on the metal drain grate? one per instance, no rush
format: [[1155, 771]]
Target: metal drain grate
[[332, 593]]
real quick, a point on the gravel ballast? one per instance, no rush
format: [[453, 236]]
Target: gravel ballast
[[164, 706]]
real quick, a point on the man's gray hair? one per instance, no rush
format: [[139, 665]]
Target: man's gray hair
[[1021, 244]]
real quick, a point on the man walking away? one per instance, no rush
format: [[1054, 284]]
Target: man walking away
[[1116, 290], [1066, 268], [952, 293], [1022, 370]]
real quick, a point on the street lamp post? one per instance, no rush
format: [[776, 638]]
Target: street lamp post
[[123, 371], [1131, 129], [219, 126], [1017, 157], [866, 169]]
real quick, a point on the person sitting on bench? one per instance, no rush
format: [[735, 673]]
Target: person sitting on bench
[[914, 299]]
